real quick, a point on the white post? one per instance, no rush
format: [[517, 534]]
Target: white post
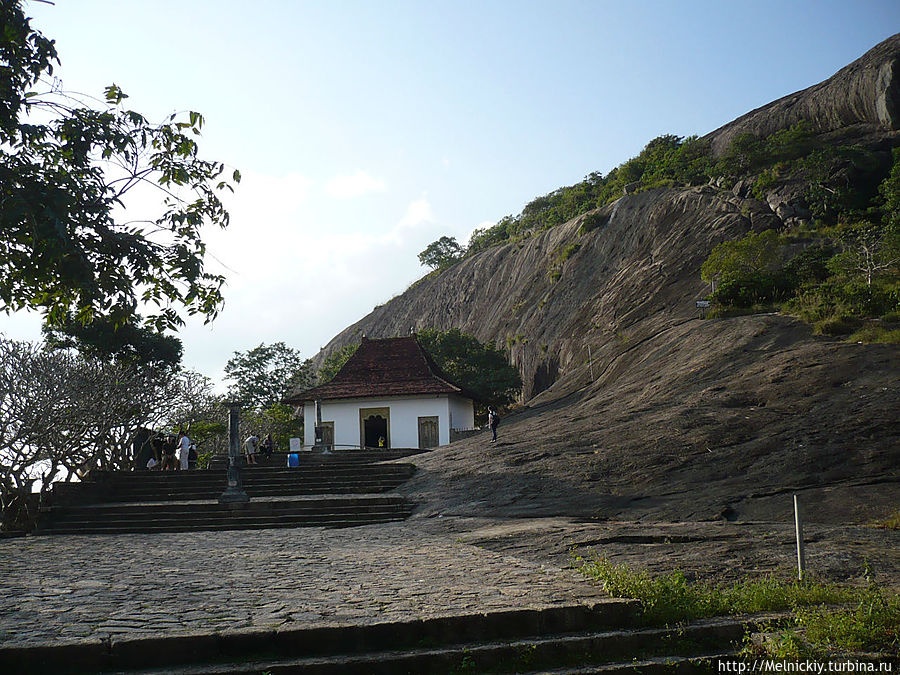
[[801, 553]]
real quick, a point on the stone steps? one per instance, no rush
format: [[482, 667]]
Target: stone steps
[[562, 640], [334, 457], [208, 484], [188, 516], [340, 490]]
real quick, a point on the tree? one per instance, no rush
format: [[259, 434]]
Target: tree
[[335, 362], [441, 253], [733, 260], [132, 344], [266, 374], [869, 249], [63, 414], [66, 174], [481, 368], [278, 420]]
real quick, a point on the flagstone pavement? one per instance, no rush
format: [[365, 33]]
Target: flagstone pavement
[[65, 589]]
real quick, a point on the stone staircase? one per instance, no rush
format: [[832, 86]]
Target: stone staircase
[[338, 489], [564, 640]]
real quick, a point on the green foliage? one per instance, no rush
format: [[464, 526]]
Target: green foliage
[[847, 301], [867, 249], [66, 166], [749, 154], [875, 333], [276, 419], [560, 257], [671, 598], [207, 435], [870, 625], [889, 190], [481, 368], [441, 253], [263, 376], [335, 362], [592, 221], [741, 259], [754, 288], [485, 238], [132, 344], [666, 160], [850, 273]]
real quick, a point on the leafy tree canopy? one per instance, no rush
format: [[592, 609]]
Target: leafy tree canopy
[[481, 368], [68, 166], [335, 362], [441, 253], [734, 259], [132, 344], [261, 377]]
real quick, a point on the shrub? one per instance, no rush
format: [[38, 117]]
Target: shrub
[[742, 258], [592, 221], [837, 325], [756, 288]]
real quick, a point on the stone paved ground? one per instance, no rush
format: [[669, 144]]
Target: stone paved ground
[[62, 589]]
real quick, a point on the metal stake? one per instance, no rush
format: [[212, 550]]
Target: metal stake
[[801, 553]]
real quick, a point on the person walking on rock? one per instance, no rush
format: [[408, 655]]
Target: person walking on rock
[[493, 421]]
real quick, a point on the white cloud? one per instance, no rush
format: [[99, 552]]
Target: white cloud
[[417, 213], [354, 185]]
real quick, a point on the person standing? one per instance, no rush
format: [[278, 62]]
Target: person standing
[[250, 446], [184, 450], [267, 446], [493, 421]]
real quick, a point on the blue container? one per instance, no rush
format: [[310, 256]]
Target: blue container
[[293, 459]]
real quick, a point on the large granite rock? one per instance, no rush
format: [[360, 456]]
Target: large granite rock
[[867, 92]]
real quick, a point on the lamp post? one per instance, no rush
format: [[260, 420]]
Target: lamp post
[[234, 492]]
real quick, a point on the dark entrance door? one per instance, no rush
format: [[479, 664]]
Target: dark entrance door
[[374, 427], [376, 432], [428, 432]]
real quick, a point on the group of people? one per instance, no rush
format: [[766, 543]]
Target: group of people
[[172, 453]]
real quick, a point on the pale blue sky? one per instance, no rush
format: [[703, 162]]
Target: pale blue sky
[[365, 130]]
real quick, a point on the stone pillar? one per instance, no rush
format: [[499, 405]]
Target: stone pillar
[[234, 492]]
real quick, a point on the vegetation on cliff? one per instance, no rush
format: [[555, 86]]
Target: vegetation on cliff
[[834, 261]]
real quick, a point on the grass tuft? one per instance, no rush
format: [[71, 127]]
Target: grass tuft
[[868, 619], [671, 598]]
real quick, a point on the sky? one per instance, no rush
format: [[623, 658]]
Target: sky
[[364, 130]]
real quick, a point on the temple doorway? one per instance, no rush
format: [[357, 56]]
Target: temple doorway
[[374, 426]]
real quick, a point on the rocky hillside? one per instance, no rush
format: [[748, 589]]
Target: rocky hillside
[[633, 405]]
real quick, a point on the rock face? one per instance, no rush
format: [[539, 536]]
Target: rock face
[[635, 406], [617, 285], [867, 92]]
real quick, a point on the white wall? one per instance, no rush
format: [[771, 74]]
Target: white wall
[[462, 413], [403, 425]]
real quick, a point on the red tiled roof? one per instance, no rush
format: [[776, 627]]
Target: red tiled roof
[[388, 367]]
